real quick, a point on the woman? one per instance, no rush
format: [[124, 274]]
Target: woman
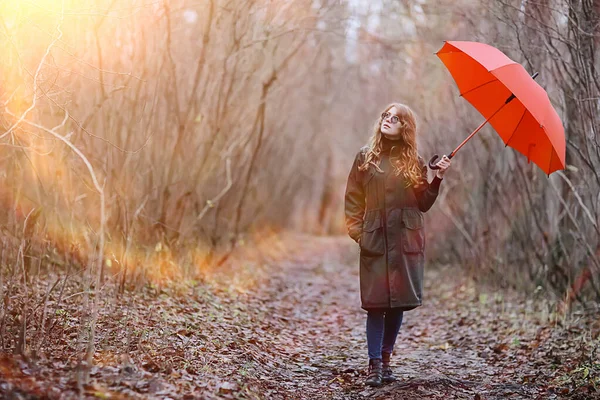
[[386, 195]]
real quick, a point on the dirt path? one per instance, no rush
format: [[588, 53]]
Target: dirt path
[[460, 344], [439, 353], [300, 334]]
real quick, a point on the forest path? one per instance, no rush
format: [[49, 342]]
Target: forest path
[[299, 333], [459, 344]]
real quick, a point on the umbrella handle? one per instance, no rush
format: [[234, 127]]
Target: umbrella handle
[[434, 160]]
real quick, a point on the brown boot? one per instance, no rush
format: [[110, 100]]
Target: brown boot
[[387, 374], [375, 372]]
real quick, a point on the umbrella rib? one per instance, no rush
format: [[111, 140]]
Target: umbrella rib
[[516, 127], [477, 87]]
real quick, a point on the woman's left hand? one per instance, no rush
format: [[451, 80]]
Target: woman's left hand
[[444, 164]]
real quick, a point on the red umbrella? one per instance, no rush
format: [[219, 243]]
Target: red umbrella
[[511, 101]]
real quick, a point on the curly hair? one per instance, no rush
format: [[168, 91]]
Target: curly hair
[[407, 162]]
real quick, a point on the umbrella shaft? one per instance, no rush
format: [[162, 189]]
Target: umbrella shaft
[[475, 132]]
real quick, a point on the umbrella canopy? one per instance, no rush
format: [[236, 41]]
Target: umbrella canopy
[[511, 101]]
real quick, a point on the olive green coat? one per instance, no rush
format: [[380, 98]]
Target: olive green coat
[[387, 217]]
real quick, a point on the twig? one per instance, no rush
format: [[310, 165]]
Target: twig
[[35, 79]]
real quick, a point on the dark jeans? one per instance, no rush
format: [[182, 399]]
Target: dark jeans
[[383, 325]]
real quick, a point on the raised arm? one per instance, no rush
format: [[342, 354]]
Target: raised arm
[[355, 202], [426, 192]]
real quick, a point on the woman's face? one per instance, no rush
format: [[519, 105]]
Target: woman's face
[[390, 125]]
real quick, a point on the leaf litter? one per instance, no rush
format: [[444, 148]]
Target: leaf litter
[[299, 333]]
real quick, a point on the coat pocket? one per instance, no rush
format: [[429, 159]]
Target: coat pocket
[[413, 235], [371, 240]]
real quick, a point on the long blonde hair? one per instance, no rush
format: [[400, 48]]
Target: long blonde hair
[[407, 163]]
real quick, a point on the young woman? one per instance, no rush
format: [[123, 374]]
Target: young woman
[[386, 195]]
